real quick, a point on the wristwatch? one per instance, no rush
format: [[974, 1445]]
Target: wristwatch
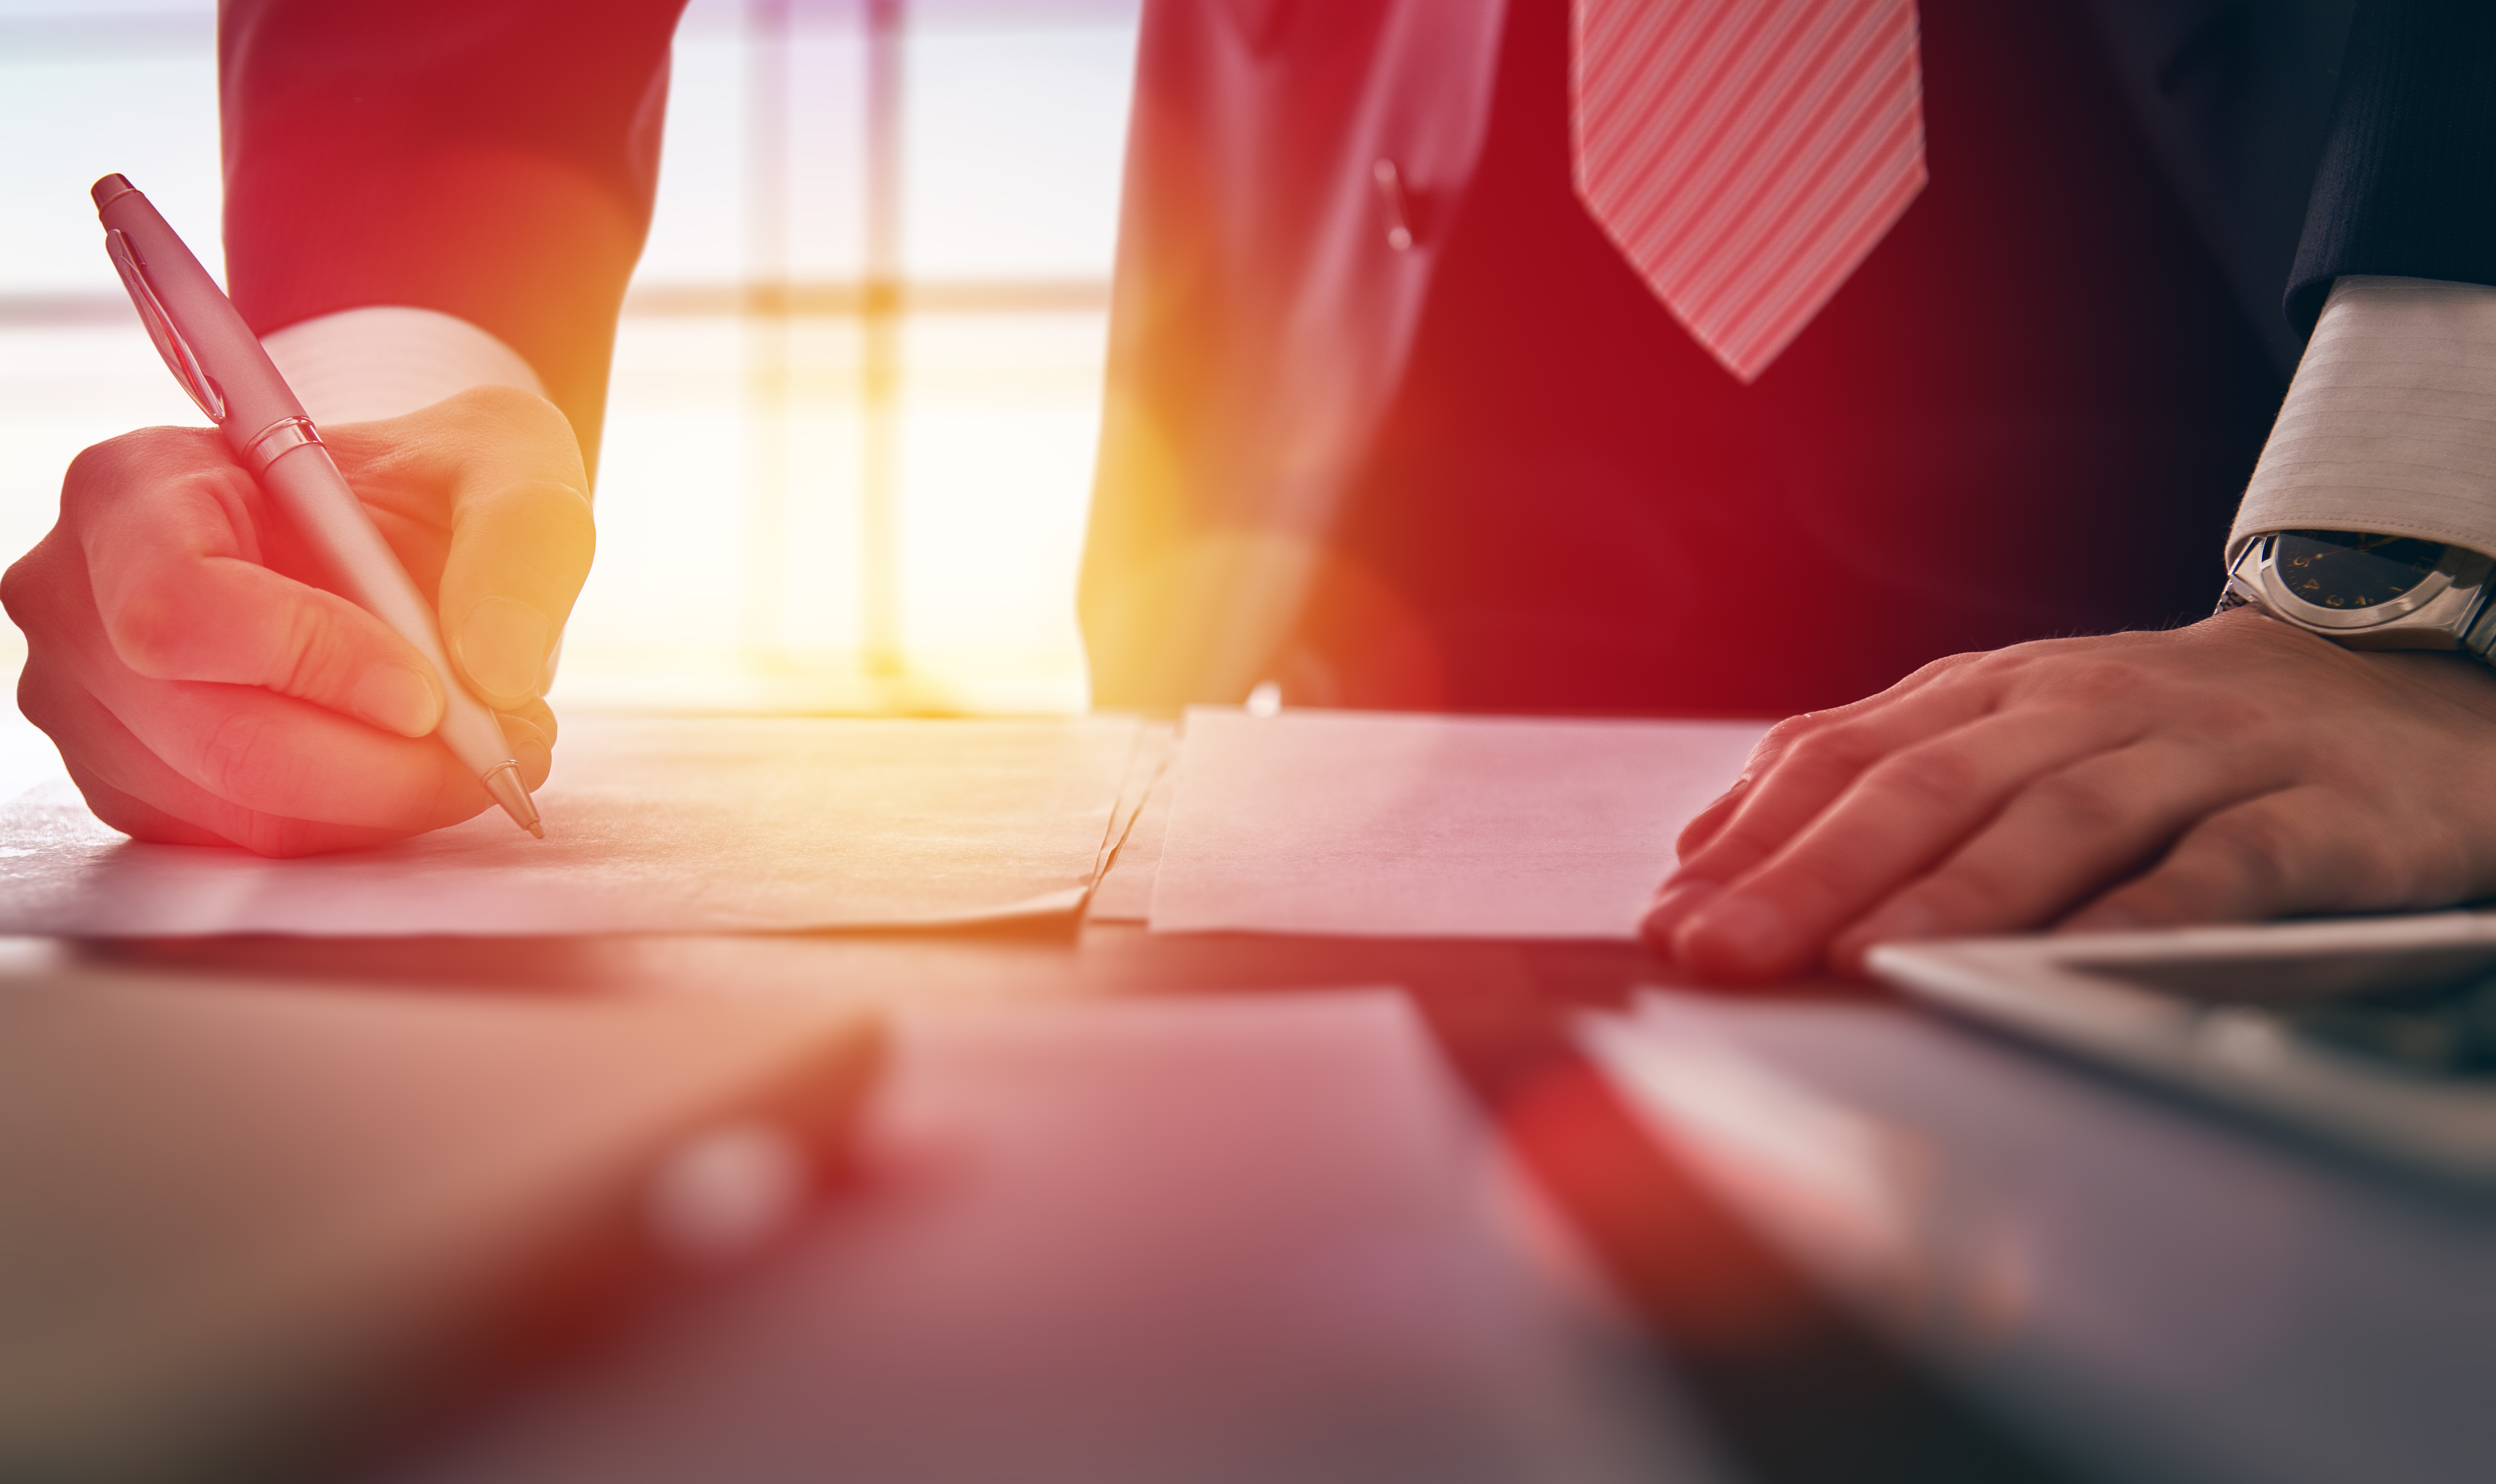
[[2369, 591]]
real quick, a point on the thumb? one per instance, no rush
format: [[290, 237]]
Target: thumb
[[505, 464], [518, 556]]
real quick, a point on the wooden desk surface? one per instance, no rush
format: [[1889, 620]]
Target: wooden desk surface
[[1790, 1386], [2199, 1301]]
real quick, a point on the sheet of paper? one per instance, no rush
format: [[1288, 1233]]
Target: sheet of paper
[[1156, 743], [652, 826], [240, 1215], [1125, 894], [1373, 824]]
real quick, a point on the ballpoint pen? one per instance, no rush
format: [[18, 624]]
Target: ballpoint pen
[[219, 362]]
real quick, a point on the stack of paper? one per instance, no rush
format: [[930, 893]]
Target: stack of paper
[[1423, 826], [1125, 893]]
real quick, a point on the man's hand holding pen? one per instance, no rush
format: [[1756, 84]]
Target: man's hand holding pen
[[205, 682]]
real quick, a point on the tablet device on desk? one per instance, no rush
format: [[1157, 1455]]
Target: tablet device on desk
[[244, 1226], [2375, 1034]]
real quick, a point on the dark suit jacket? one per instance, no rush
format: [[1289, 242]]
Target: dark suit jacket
[[496, 161]]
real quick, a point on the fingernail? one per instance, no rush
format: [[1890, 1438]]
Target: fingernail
[[503, 647], [1674, 900], [398, 698], [1738, 935]]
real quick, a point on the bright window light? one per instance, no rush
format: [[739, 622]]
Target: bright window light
[[858, 382]]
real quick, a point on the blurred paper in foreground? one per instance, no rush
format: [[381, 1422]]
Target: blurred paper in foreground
[[1431, 826], [247, 1225], [1209, 1239], [652, 826]]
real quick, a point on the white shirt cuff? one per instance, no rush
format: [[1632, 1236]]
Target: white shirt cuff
[[385, 360], [2391, 423]]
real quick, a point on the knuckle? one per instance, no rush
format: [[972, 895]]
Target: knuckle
[[25, 588], [1964, 662], [94, 467], [1778, 742], [1785, 734], [1836, 751], [98, 468], [103, 469]]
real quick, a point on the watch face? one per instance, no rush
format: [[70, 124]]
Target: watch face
[[2352, 569]]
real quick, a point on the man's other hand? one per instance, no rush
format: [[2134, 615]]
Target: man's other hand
[[206, 686], [2234, 770]]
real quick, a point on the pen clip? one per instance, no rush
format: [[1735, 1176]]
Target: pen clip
[[170, 344]]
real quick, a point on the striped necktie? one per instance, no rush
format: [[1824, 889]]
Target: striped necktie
[[1745, 155]]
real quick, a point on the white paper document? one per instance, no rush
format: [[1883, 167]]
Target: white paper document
[[1125, 891], [1147, 766], [652, 826], [1376, 824]]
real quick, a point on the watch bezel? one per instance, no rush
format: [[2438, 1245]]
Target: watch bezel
[[2443, 604]]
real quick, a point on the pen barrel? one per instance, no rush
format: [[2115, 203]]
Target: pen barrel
[[306, 484], [250, 400], [256, 396]]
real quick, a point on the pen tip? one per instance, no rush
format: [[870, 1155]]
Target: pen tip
[[503, 782]]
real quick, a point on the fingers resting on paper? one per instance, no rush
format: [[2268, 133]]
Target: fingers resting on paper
[[204, 685], [2233, 770]]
